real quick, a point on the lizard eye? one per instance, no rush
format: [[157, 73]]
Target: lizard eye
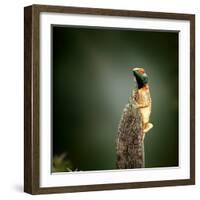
[[141, 71]]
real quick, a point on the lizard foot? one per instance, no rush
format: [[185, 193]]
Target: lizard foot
[[148, 127]]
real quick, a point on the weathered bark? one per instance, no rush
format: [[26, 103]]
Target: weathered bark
[[130, 146]]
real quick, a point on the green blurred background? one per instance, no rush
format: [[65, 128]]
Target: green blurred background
[[92, 83]]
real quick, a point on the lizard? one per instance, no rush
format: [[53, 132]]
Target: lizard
[[134, 123]]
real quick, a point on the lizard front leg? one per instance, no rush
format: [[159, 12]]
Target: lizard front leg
[[145, 111], [147, 127]]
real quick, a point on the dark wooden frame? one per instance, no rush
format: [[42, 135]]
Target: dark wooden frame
[[31, 98]]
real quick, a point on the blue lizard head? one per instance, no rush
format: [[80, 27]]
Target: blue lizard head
[[140, 76]]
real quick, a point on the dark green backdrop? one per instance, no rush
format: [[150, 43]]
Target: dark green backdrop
[[92, 83]]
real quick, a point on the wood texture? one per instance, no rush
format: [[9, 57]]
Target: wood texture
[[27, 101], [31, 98], [192, 98]]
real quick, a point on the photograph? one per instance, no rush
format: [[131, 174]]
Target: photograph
[[115, 98]]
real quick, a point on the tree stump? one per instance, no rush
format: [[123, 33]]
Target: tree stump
[[130, 140]]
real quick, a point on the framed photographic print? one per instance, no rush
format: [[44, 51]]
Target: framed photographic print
[[109, 99]]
